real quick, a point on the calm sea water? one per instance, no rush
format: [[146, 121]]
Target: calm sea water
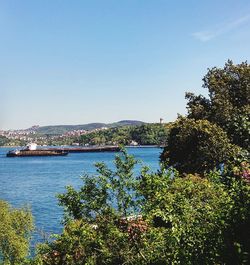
[[35, 181]]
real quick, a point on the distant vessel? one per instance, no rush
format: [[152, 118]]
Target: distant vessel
[[16, 153], [31, 150], [91, 149]]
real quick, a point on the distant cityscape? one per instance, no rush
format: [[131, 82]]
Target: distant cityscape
[[31, 135], [126, 132]]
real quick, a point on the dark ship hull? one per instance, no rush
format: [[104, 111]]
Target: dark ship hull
[[61, 151], [22, 153], [91, 149]]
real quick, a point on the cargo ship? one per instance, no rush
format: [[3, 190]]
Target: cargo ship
[[31, 150], [17, 153], [91, 149]]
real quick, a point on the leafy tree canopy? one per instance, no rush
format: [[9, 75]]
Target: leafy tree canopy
[[196, 146], [228, 104]]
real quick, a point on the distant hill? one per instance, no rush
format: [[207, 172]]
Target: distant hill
[[61, 129]]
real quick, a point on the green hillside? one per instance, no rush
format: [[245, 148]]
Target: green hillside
[[61, 129]]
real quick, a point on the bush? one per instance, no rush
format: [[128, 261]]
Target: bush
[[237, 238], [15, 229], [95, 229], [188, 218]]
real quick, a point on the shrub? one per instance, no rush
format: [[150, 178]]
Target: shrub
[[15, 228], [98, 225], [188, 217]]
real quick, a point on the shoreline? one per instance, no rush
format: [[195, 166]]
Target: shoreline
[[142, 146], [126, 146]]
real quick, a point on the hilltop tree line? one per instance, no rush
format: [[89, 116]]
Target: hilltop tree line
[[146, 134], [194, 210]]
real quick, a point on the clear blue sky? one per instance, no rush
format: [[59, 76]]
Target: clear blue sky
[[75, 62]]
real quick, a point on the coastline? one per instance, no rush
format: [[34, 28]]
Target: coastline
[[127, 146]]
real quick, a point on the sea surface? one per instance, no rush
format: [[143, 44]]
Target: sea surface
[[35, 182]]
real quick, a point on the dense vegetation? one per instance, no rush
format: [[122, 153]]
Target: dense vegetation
[[228, 104], [196, 146], [194, 210], [117, 217], [15, 231], [146, 134], [3, 140]]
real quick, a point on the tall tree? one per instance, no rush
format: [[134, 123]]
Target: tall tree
[[196, 146], [228, 104]]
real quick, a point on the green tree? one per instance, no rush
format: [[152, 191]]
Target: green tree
[[15, 231], [96, 227], [196, 146], [228, 104], [150, 134], [4, 140], [106, 192]]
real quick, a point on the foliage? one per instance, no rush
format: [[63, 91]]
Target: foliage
[[242, 171], [237, 250], [146, 134], [150, 134], [196, 146], [158, 218], [83, 243], [228, 104], [3, 140], [111, 192], [15, 228], [237, 238], [97, 230], [188, 218]]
